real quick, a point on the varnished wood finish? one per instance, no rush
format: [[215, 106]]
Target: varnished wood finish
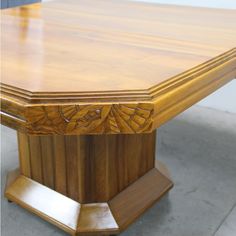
[[87, 168], [137, 198], [104, 182], [11, 177], [96, 219], [107, 218], [106, 67], [59, 210], [86, 84], [50, 205]]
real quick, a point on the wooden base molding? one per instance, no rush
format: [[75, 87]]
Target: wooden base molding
[[107, 218], [104, 183]]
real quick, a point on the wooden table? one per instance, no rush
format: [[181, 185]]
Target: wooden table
[[86, 84]]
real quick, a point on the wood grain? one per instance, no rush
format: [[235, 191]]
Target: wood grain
[[87, 168], [27, 193], [86, 84], [97, 217], [127, 67], [137, 198], [89, 119], [113, 179], [36, 161], [107, 218], [60, 173], [24, 154], [113, 46]]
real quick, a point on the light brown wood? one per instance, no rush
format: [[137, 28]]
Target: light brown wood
[[107, 218], [137, 198], [96, 219], [11, 177], [110, 67], [104, 182], [99, 35], [87, 168], [44, 202], [117, 170], [24, 154], [59, 164], [86, 84]]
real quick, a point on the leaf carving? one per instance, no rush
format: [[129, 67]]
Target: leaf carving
[[90, 119]]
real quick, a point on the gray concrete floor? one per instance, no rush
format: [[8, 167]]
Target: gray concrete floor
[[199, 147]]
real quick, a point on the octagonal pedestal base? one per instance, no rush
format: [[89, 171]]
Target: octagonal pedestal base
[[106, 218]]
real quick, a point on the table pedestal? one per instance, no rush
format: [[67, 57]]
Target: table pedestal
[[88, 184]]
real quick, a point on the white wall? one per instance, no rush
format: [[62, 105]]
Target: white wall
[[225, 98], [231, 4]]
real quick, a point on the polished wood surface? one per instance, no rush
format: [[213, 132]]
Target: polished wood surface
[[86, 84], [60, 210], [140, 196], [87, 168], [81, 46], [104, 182], [107, 218], [99, 67]]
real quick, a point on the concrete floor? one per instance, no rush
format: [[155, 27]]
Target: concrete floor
[[199, 147]]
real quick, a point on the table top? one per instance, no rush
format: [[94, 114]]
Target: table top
[[111, 66]]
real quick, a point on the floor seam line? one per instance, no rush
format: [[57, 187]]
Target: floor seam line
[[223, 220]]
